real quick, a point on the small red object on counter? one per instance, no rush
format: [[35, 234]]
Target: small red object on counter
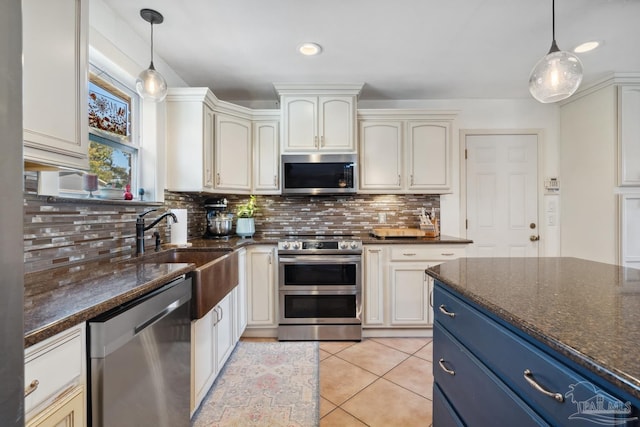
[[127, 194]]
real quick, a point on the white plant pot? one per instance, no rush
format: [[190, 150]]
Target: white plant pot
[[245, 227]]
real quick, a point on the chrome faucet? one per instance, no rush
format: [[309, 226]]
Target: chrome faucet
[[141, 228]]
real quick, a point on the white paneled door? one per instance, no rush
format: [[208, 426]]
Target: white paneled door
[[501, 195]]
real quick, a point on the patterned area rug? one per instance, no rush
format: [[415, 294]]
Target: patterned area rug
[[265, 384]]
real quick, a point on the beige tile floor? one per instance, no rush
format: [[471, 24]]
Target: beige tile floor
[[377, 382]]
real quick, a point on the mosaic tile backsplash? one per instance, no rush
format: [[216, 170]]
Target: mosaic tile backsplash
[[65, 231]]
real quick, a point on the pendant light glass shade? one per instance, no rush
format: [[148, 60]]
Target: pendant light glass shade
[[150, 84], [556, 76]]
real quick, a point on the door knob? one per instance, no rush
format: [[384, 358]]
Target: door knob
[[534, 238]]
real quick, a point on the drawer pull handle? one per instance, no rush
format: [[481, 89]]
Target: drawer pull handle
[[444, 310], [528, 375], [444, 368], [447, 253], [31, 388], [409, 254]]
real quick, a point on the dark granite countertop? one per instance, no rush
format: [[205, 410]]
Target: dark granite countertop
[[59, 298], [587, 311], [441, 240]]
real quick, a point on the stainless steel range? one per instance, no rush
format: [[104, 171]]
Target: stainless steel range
[[320, 288]]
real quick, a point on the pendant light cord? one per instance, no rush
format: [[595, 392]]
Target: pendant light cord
[[554, 45], [151, 66], [553, 22]]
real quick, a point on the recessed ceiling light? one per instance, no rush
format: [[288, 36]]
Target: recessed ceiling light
[[310, 49], [586, 47]]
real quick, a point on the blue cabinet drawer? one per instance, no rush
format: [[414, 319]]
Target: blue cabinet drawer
[[509, 357], [478, 396], [443, 412]]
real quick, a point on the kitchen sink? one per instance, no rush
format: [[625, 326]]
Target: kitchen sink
[[216, 274]]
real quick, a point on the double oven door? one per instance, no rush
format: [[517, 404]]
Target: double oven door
[[320, 289]]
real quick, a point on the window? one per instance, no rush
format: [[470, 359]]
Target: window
[[113, 142], [113, 148]]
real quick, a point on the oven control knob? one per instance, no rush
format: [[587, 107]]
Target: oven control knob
[[354, 245], [295, 245], [344, 245], [285, 245]]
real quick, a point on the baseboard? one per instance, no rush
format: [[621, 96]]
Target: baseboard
[[397, 333]]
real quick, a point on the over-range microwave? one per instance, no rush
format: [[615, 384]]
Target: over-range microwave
[[319, 173]]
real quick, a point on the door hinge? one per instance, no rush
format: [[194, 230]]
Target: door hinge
[[465, 154], [466, 224]]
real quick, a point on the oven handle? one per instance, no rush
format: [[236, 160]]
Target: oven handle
[[319, 259]]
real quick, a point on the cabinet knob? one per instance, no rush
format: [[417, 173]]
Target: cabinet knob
[[528, 375], [31, 387]]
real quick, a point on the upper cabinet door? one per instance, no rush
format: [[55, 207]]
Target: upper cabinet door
[[629, 135], [300, 124], [233, 153], [380, 155], [55, 82], [266, 158], [318, 123], [336, 123], [428, 156]]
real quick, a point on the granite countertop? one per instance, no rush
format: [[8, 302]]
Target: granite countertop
[[59, 298], [587, 311]]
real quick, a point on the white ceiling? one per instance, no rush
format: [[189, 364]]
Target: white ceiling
[[400, 49]]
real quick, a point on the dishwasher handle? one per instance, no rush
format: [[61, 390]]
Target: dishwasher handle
[[168, 309], [109, 332]]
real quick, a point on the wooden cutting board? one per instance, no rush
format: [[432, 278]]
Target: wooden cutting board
[[397, 232]]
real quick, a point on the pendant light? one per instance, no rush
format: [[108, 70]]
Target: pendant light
[[150, 84], [558, 75]]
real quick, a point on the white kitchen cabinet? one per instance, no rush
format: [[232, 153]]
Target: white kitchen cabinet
[[318, 123], [381, 155], [630, 230], [405, 151], [374, 263], [261, 287], [68, 412], [397, 292], [212, 341], [55, 380], [318, 118], [599, 132], [55, 83], [410, 289], [428, 156], [629, 135], [190, 140], [240, 296], [266, 157], [232, 154], [224, 330], [203, 366]]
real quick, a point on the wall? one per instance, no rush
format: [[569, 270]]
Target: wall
[[496, 114]]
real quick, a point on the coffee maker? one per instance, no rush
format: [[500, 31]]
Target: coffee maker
[[219, 221]]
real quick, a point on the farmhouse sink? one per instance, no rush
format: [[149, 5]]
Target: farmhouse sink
[[216, 274]]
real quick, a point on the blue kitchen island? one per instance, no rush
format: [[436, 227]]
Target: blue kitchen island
[[536, 341]]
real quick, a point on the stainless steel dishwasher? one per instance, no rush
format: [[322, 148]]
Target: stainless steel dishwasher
[[139, 355]]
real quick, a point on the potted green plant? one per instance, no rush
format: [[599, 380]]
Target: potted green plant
[[245, 225]]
